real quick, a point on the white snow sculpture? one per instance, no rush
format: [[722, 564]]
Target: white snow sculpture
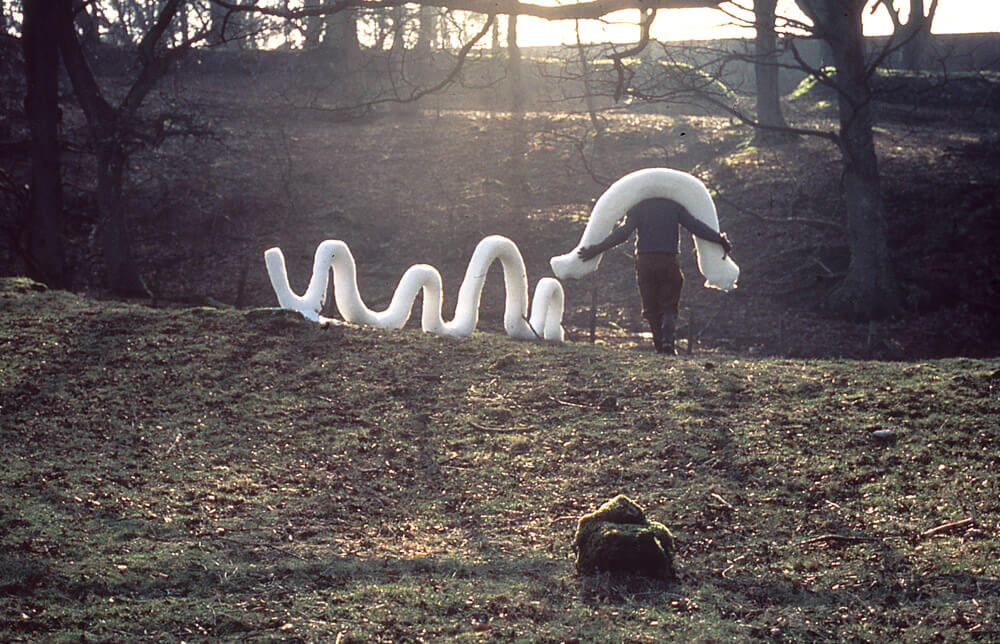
[[545, 321], [720, 271]]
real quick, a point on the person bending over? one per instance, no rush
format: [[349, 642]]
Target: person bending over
[[657, 270]]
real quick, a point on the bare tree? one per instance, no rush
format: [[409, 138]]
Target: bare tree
[[588, 84], [765, 65], [312, 31], [397, 49], [583, 9], [85, 22], [514, 73], [218, 19], [426, 32], [869, 290], [495, 40], [151, 27], [113, 128], [914, 35], [45, 253], [341, 35], [8, 78]]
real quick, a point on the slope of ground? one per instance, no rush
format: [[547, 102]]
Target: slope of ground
[[205, 474], [425, 183]]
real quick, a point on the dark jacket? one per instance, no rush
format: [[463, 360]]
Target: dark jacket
[[656, 220]]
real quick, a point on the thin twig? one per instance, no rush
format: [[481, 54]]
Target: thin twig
[[722, 501], [457, 466], [568, 404], [528, 322], [819, 263], [834, 505], [700, 333], [177, 440], [781, 221], [500, 430], [837, 537], [946, 527]]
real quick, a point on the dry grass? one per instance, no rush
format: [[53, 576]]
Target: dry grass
[[200, 474]]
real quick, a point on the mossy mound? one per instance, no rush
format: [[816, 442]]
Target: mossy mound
[[14, 286], [618, 538]]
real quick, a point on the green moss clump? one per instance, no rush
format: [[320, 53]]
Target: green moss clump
[[15, 286], [618, 538]]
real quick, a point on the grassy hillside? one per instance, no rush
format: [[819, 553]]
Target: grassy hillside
[[206, 474]]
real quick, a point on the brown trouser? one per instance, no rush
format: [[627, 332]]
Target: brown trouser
[[660, 281]]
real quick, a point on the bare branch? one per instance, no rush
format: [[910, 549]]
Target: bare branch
[[153, 66], [781, 221], [588, 9], [417, 94], [645, 24], [93, 104], [891, 9]]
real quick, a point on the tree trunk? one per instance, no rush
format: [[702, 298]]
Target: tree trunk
[[107, 126], [426, 32], [218, 24], [588, 86], [342, 36], [495, 39], [312, 32], [869, 290], [398, 31], [916, 34], [46, 255], [89, 36], [422, 68], [514, 66], [183, 29], [769, 115], [383, 28], [123, 276]]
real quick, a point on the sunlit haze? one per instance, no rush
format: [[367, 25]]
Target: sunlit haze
[[953, 16]]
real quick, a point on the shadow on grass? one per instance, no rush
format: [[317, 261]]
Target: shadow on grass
[[888, 594], [293, 577]]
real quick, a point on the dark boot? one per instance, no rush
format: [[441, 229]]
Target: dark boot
[[657, 329], [667, 331]]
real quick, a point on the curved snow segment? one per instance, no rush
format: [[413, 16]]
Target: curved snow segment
[[544, 322], [720, 271]]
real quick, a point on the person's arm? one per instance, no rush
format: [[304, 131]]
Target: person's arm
[[700, 229], [617, 236]]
